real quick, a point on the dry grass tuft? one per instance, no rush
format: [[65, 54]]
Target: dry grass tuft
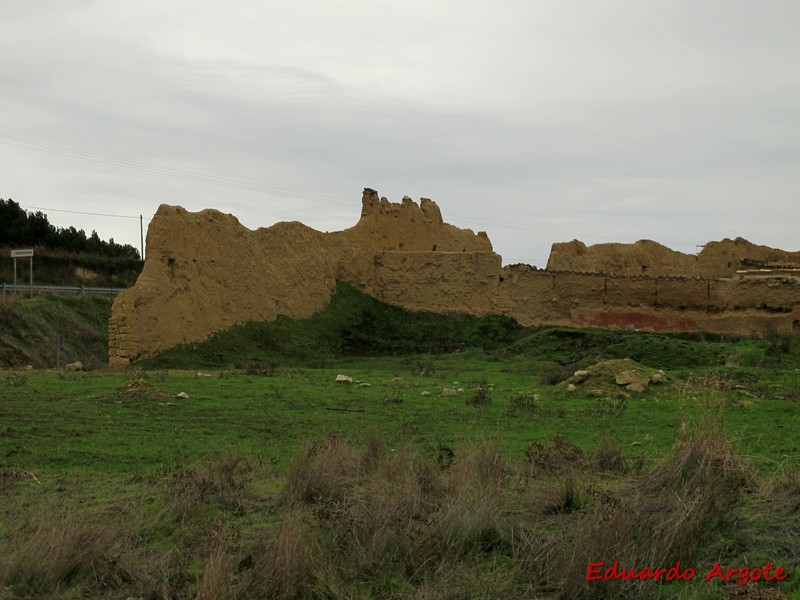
[[217, 581], [289, 565], [609, 457], [61, 551], [396, 516], [666, 516]]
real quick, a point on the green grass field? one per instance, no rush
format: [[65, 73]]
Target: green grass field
[[273, 480]]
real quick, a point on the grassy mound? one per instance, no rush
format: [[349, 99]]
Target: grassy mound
[[354, 324]]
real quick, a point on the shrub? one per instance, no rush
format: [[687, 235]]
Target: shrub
[[525, 404], [482, 395], [15, 380]]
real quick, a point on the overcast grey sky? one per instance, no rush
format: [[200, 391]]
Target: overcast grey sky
[[537, 121]]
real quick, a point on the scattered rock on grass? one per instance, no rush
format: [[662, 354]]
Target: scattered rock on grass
[[580, 376], [76, 366], [182, 395], [425, 393], [616, 376], [629, 376], [344, 379], [449, 392]]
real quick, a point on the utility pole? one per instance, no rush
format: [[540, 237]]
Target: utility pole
[[141, 234]]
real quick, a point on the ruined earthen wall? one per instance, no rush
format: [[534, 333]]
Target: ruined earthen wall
[[206, 272], [451, 283], [645, 257], [682, 293], [770, 295], [438, 281], [528, 295]]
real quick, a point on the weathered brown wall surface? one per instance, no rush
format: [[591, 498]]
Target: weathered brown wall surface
[[645, 257], [206, 272]]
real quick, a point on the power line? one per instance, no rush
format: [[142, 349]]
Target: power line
[[78, 212], [166, 171]]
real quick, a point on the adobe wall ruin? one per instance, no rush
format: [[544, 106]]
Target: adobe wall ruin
[[206, 272], [646, 257]]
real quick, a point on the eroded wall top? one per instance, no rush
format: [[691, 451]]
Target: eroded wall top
[[645, 257], [205, 271]]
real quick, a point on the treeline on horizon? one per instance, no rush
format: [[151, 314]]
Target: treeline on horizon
[[19, 227]]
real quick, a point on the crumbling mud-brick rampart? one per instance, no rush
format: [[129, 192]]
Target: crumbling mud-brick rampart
[[206, 272]]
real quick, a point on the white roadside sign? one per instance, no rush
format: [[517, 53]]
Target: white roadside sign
[[22, 253]]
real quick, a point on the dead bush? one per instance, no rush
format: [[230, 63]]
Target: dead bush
[[561, 456], [258, 368], [222, 481]]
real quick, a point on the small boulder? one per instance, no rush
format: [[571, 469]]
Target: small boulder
[[449, 392], [581, 376], [571, 387], [363, 384], [657, 377], [629, 376], [76, 366], [425, 393], [181, 395], [635, 387], [344, 379]]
